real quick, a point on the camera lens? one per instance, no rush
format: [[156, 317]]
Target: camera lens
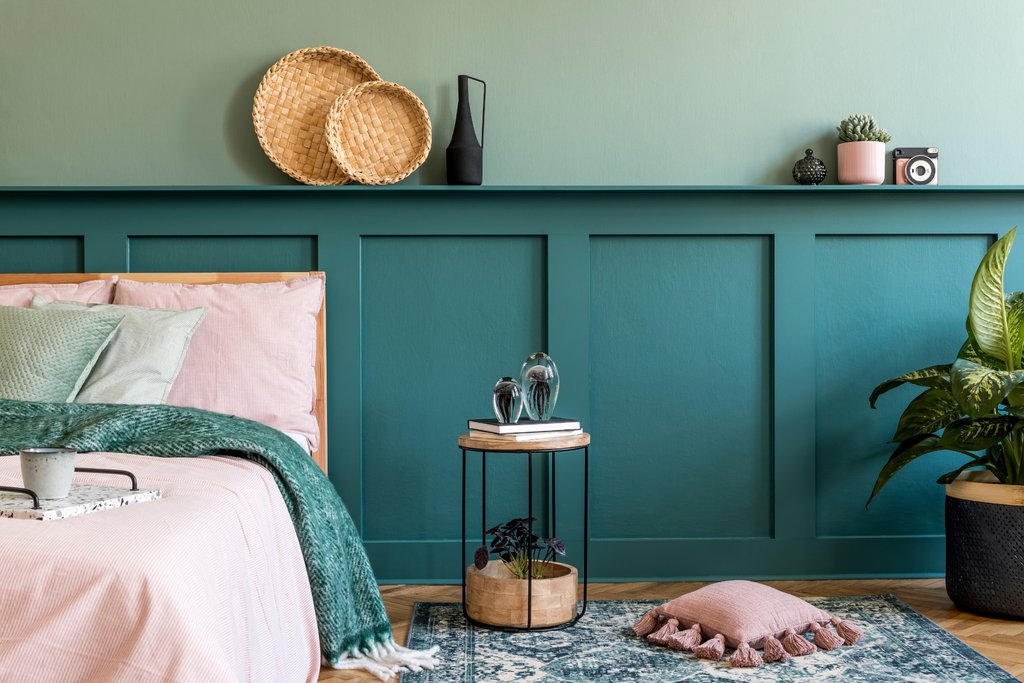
[[920, 170]]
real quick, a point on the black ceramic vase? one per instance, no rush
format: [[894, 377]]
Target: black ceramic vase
[[465, 155]]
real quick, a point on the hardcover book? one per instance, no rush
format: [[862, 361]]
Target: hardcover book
[[555, 424], [527, 436]]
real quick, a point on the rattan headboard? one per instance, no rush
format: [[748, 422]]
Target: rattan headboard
[[320, 404]]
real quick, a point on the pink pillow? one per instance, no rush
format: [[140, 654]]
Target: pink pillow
[[89, 292], [254, 355], [744, 615]]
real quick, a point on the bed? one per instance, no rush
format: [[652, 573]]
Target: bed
[[206, 584]]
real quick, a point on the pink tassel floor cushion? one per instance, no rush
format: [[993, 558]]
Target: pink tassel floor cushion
[[744, 615]]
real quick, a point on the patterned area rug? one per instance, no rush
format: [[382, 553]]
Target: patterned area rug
[[899, 645]]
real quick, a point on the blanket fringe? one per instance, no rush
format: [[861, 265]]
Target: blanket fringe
[[386, 660]]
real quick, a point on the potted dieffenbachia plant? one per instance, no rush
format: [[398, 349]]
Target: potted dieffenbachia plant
[[496, 590], [861, 151], [975, 406]]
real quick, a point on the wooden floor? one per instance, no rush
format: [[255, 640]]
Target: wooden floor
[[1000, 641]]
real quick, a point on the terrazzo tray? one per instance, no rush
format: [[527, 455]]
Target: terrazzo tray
[[82, 500]]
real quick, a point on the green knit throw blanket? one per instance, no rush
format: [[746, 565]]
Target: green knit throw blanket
[[349, 609]]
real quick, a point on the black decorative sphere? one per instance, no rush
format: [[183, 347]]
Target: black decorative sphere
[[809, 171]]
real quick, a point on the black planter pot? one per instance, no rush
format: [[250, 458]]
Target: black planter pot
[[985, 549]]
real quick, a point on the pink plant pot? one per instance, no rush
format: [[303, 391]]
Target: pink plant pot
[[861, 163]]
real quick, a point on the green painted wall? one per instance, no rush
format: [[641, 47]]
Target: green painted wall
[[719, 344], [582, 91]]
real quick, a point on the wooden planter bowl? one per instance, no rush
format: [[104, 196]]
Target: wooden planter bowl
[[984, 546], [495, 597]]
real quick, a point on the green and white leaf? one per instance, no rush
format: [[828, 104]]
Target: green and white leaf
[[905, 453], [969, 351], [948, 477], [936, 376], [980, 389], [1015, 324], [988, 321], [965, 433], [980, 433], [929, 412]]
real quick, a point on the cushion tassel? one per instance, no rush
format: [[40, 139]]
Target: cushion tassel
[[670, 628], [711, 649], [745, 656], [774, 652], [648, 623], [685, 640], [797, 645], [824, 638], [848, 631]]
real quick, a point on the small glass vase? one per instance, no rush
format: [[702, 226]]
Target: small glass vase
[[507, 401], [539, 382]]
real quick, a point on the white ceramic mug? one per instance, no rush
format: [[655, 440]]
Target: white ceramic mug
[[48, 470]]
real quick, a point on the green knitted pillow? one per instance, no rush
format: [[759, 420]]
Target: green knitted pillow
[[46, 355]]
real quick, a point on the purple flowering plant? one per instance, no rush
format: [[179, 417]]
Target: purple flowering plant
[[515, 544]]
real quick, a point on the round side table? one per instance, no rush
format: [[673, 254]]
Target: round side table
[[482, 444]]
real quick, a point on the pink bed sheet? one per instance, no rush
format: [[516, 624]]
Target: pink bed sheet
[[207, 584]]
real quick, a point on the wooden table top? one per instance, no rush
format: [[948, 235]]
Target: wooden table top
[[477, 442]]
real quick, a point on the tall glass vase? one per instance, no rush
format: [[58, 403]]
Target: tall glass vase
[[507, 401], [539, 381]]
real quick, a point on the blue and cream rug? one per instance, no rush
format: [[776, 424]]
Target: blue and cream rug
[[899, 645]]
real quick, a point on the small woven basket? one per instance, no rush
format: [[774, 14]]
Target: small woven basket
[[378, 132], [290, 109]]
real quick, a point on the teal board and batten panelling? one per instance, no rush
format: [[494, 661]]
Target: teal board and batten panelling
[[868, 299], [443, 318], [673, 320], [719, 343], [46, 254], [240, 253]]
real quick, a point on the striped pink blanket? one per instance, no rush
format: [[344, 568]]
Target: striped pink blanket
[[207, 584]]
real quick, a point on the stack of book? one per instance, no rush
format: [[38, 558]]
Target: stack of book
[[525, 430]]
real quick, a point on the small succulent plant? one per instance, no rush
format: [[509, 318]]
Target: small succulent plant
[[861, 128]]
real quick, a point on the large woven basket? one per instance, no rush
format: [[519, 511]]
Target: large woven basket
[[378, 132], [291, 105]]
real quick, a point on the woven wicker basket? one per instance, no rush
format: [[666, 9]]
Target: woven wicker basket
[[378, 132], [291, 105]]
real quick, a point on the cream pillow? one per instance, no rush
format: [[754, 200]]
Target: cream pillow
[[144, 355]]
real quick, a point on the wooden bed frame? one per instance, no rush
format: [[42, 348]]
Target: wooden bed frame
[[320, 401]]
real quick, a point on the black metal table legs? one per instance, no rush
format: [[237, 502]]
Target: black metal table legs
[[552, 497]]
